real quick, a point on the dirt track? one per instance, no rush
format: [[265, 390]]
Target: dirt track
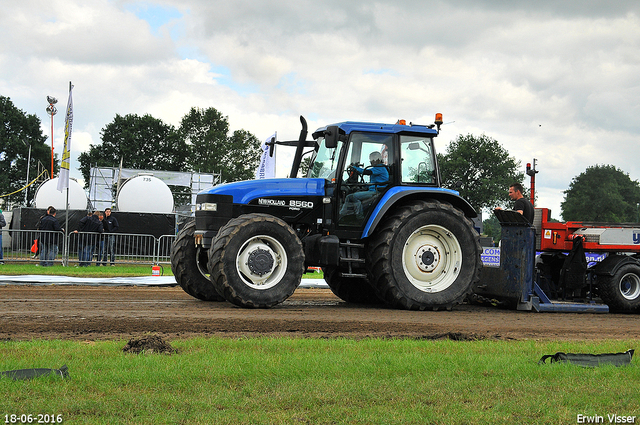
[[88, 313], [81, 312]]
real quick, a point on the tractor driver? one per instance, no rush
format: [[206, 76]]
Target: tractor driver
[[379, 174]]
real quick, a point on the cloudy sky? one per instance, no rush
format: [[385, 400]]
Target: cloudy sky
[[558, 81]]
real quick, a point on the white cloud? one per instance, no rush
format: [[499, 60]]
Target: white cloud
[[556, 81]]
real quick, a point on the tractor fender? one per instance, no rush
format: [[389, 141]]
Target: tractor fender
[[403, 195], [610, 265]]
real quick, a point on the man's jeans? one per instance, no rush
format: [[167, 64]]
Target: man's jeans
[[48, 253], [107, 249]]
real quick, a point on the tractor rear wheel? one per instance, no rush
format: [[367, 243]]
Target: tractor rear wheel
[[355, 290], [424, 256], [621, 292], [189, 266], [256, 261]]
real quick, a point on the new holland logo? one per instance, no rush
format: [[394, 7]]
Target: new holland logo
[[282, 203], [274, 202]]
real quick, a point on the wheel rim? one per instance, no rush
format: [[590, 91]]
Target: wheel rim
[[630, 286], [432, 258], [261, 262]]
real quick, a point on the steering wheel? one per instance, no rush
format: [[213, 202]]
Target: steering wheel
[[354, 181]]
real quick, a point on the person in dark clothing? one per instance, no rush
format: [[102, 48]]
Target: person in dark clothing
[[81, 238], [522, 205], [49, 236], [99, 241], [107, 246], [38, 225], [90, 228]]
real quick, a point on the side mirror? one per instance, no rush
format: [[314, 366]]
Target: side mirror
[[331, 136]]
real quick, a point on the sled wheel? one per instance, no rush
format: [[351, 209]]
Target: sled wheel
[[621, 292], [188, 264], [424, 256], [256, 261]]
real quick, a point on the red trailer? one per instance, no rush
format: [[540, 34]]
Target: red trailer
[[615, 279]]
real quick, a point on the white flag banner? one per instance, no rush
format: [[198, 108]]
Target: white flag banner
[[267, 167], [63, 178]]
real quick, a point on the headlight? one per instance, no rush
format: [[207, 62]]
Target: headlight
[[207, 206]]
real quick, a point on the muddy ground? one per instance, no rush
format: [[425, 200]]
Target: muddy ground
[[99, 313]]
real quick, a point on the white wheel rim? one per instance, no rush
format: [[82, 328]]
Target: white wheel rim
[[264, 247], [432, 258], [630, 286]]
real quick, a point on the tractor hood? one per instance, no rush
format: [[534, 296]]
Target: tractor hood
[[245, 191]]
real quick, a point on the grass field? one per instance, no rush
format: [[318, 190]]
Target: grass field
[[119, 270], [318, 381], [313, 381]]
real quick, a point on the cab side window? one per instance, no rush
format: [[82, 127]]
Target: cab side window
[[418, 162]]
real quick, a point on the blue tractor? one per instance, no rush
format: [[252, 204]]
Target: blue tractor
[[370, 212]]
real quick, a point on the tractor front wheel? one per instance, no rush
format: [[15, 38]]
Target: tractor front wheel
[[256, 261], [189, 266]]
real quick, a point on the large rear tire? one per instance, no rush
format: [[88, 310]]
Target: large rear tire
[[256, 261], [424, 256], [621, 292], [188, 265], [352, 290]]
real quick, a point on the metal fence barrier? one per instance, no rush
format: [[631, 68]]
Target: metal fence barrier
[[46, 248]]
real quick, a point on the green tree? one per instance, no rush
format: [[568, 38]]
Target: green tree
[[480, 169], [602, 193], [17, 132], [305, 165], [141, 142], [492, 228], [211, 149]]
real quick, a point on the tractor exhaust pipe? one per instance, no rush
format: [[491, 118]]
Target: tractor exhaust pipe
[[297, 159]]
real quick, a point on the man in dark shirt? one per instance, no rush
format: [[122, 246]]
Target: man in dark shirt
[[82, 262], [522, 205], [49, 235], [90, 228], [111, 226]]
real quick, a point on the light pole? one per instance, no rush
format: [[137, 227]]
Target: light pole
[[51, 110], [26, 189]]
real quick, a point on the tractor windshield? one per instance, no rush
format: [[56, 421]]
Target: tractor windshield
[[325, 161]]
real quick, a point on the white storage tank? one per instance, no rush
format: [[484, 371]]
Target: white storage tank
[[145, 193], [48, 195]]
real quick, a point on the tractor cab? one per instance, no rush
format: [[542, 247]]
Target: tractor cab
[[363, 161]]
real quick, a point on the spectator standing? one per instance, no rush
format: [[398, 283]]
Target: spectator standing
[[111, 226], [91, 229], [98, 241], [38, 225], [2, 224], [82, 236], [49, 228]]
